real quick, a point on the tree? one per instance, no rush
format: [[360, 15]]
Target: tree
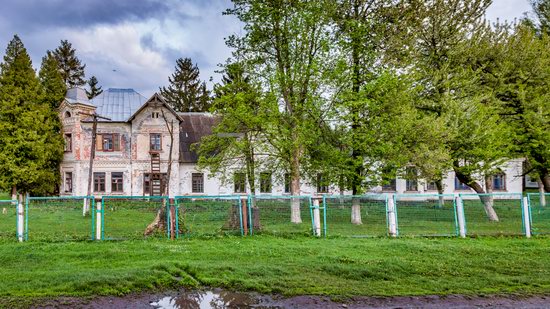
[[445, 33], [71, 68], [54, 88], [541, 8], [286, 45], [95, 90], [185, 92], [31, 146]]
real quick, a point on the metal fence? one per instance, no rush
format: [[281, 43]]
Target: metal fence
[[356, 216], [539, 213], [8, 219], [280, 215], [493, 214], [426, 215], [59, 218], [134, 217], [210, 215]]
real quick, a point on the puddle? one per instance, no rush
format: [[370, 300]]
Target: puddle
[[218, 299]]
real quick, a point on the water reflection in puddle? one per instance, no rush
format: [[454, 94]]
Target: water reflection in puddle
[[217, 299]]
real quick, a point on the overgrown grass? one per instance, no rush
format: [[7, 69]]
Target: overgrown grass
[[338, 267]]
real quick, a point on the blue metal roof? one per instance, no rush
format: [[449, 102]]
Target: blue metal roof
[[118, 104]]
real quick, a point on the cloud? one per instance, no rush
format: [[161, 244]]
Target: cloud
[[507, 10]]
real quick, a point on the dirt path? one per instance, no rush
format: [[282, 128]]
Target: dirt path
[[226, 299]]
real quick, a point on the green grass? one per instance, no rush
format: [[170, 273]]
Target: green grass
[[337, 267]]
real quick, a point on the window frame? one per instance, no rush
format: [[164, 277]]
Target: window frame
[[239, 180], [266, 182], [197, 187], [68, 183], [119, 182], [68, 142], [411, 185], [151, 135], [287, 183], [321, 187], [503, 181], [97, 182], [459, 186]]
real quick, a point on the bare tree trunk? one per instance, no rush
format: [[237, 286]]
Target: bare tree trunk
[[546, 182], [542, 196], [440, 191], [295, 216], [356, 211], [14, 193], [488, 200]]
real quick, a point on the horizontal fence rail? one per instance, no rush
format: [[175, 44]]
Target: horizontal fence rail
[[134, 217], [9, 222], [210, 215], [280, 215], [371, 215], [63, 218]]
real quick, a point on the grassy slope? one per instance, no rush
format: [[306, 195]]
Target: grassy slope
[[337, 267]]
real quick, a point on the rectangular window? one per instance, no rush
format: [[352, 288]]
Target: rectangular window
[[146, 184], [460, 186], [99, 182], [197, 182], [149, 182], [155, 142], [499, 182], [68, 142], [287, 183], [265, 182], [155, 115], [431, 186], [322, 185], [117, 180], [68, 182], [239, 181], [411, 176], [389, 185], [108, 142]]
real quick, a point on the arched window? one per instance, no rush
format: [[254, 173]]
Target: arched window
[[67, 114]]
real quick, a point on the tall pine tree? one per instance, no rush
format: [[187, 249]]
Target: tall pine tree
[[185, 92], [31, 146], [71, 68], [95, 90], [51, 80]]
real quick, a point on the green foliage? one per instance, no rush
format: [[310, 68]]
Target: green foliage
[[71, 68], [95, 90], [31, 146], [541, 8], [54, 88], [186, 93]]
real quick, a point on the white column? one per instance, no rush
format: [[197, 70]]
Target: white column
[[392, 216], [460, 216], [316, 218], [20, 221], [98, 218], [526, 217]]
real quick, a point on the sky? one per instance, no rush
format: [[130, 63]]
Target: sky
[[135, 44]]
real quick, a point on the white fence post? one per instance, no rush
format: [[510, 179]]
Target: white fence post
[[20, 221], [316, 218], [392, 216], [460, 216], [98, 218], [526, 217]]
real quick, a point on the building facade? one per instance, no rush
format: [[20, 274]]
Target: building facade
[[136, 138]]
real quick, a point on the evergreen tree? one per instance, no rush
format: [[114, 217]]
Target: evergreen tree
[[52, 83], [71, 68], [185, 92], [31, 146], [95, 90], [542, 13]]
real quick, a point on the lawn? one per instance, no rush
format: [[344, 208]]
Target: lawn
[[338, 267]]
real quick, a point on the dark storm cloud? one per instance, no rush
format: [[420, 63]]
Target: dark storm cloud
[[30, 15]]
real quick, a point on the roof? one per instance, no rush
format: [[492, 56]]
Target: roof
[[77, 95], [118, 104], [155, 100], [193, 127]]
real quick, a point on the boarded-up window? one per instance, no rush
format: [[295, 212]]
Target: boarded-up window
[[99, 182], [117, 180], [197, 182]]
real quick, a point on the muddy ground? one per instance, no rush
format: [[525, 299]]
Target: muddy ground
[[218, 298]]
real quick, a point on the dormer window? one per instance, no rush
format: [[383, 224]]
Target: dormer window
[[67, 114]]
